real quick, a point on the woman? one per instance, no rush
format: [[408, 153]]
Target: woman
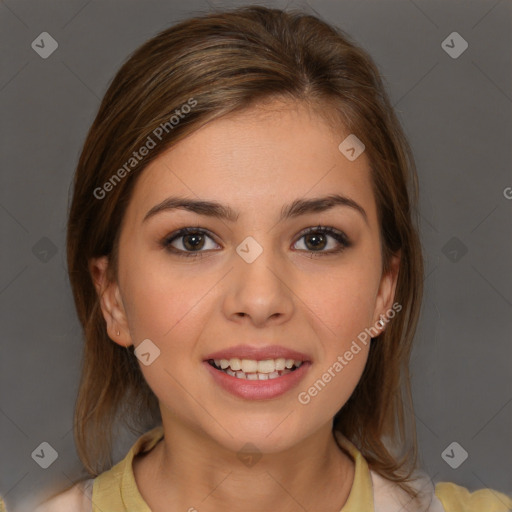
[[245, 262]]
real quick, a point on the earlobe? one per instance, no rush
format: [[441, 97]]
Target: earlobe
[[110, 302]]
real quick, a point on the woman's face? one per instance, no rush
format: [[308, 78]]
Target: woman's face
[[253, 286]]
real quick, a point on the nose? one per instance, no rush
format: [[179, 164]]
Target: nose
[[259, 292]]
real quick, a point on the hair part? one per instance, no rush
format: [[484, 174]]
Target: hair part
[[228, 62]]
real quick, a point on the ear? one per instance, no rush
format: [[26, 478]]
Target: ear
[[386, 293], [110, 301]]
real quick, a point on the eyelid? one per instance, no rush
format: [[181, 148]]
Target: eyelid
[[329, 230]]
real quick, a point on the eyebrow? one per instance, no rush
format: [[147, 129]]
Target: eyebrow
[[217, 210]]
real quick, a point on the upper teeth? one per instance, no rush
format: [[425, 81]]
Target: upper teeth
[[253, 366]]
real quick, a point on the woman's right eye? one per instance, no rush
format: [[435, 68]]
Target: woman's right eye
[[187, 242]]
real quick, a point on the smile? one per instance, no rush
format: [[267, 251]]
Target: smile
[[251, 369], [256, 379]]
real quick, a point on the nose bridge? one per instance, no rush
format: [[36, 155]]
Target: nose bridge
[[258, 287], [257, 263]]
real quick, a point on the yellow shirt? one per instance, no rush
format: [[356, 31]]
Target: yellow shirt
[[115, 490]]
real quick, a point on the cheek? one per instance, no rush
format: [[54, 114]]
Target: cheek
[[163, 299], [343, 302], [165, 304], [333, 380]]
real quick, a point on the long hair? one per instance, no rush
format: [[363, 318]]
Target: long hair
[[216, 64]]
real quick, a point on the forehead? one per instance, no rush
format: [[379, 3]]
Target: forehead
[[264, 156]]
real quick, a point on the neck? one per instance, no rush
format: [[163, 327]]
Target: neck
[[195, 473]]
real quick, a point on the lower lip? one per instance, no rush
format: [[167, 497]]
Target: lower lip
[[258, 389]]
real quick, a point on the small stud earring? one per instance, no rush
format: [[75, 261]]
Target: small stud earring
[[117, 332]]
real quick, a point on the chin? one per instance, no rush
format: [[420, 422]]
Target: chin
[[268, 436]]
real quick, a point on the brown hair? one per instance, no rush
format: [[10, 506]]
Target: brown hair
[[226, 62]]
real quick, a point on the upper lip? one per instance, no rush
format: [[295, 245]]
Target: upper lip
[[258, 353]]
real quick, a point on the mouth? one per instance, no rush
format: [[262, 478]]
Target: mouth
[[257, 373], [252, 369]]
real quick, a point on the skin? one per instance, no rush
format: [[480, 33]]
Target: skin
[[255, 162]]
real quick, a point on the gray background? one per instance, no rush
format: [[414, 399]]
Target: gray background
[[457, 114]]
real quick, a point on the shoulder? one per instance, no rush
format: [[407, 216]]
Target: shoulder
[[77, 498], [389, 497], [456, 498], [444, 497]]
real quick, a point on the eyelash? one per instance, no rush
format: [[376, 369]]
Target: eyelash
[[339, 236]]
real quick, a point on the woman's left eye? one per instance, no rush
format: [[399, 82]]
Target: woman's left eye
[[316, 240]]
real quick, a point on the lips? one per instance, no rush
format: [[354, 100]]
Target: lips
[[257, 389], [257, 373], [258, 353]]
